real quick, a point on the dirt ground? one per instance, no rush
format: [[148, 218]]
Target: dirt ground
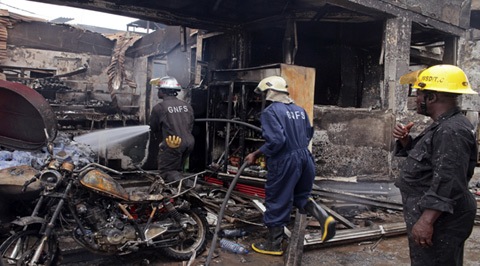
[[376, 252], [384, 252], [389, 251]]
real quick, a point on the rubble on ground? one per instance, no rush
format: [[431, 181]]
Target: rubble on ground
[[79, 153]]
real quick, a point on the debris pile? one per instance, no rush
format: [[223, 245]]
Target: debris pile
[[360, 217], [365, 212], [79, 153]]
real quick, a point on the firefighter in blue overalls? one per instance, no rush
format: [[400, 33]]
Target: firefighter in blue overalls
[[287, 132], [171, 125]]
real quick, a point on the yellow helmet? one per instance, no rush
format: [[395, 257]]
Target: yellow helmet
[[275, 83], [444, 78]]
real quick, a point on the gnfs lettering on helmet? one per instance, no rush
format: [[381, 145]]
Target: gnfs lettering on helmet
[[295, 115], [177, 109]]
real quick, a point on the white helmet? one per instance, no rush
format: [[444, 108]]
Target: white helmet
[[275, 83], [169, 83]]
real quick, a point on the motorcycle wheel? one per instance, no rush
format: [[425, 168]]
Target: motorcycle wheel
[[194, 238], [19, 249]]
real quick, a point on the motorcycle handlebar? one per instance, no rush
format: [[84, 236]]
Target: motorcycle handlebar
[[28, 182]]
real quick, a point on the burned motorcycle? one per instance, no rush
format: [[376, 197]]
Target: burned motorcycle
[[104, 217]]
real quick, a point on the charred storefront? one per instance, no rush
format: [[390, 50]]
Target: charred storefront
[[351, 55], [342, 60]]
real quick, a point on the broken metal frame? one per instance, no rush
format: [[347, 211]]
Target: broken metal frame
[[345, 196], [351, 235]]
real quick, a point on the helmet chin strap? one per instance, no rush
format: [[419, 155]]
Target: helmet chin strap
[[169, 92]]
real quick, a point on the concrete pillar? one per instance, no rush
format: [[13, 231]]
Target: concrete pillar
[[451, 50], [396, 44]]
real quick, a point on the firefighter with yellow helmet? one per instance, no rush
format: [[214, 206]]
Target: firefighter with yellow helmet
[[439, 210], [287, 132]]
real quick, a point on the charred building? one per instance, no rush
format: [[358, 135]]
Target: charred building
[[349, 53]]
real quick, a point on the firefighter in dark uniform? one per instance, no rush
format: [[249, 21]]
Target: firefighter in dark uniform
[[439, 210], [291, 169], [171, 124]]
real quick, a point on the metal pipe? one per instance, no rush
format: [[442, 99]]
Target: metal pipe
[[227, 130], [228, 121]]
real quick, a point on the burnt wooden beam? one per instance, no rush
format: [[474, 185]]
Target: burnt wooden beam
[[295, 247]]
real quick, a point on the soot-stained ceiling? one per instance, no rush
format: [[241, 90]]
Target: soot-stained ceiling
[[253, 15], [223, 14]]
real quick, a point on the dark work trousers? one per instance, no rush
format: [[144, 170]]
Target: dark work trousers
[[449, 235], [289, 183], [171, 161]]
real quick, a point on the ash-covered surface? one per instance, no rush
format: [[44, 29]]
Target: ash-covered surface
[[377, 250], [79, 153], [381, 251]]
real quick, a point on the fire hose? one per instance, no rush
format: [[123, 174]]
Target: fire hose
[[221, 212], [230, 188]]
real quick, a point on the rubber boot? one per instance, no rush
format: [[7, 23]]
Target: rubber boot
[[327, 222], [273, 244]]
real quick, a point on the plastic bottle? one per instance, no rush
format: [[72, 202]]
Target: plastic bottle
[[233, 246], [233, 233]]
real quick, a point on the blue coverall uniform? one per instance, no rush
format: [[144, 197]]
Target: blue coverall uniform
[[287, 132]]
